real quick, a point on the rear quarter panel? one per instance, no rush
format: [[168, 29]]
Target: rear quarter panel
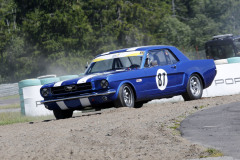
[[205, 68]]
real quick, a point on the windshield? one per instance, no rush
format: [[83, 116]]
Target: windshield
[[115, 64]]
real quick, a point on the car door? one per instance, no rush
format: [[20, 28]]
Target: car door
[[161, 73]]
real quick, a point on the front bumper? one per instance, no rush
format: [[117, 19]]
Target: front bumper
[[79, 102], [80, 96]]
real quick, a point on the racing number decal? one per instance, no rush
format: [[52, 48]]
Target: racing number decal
[[161, 79]]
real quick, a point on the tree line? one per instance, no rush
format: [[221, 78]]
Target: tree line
[[40, 37]]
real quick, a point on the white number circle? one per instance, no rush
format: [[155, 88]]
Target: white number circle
[[161, 79]]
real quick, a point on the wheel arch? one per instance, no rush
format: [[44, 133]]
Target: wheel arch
[[132, 87]]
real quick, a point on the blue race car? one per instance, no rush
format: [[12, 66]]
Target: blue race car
[[129, 78]]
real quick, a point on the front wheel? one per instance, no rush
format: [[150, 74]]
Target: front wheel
[[125, 97], [63, 114], [140, 104], [194, 88]]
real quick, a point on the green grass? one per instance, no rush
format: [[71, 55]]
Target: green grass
[[214, 153], [211, 152], [176, 124], [201, 107], [9, 97], [10, 106], [16, 117]]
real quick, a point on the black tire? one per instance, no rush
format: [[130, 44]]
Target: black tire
[[62, 114], [194, 88], [140, 104], [97, 108], [125, 97]]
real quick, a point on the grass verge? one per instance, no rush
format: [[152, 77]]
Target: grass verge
[[10, 106], [211, 152], [10, 97], [16, 117]]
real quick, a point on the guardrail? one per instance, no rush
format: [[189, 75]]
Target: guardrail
[[8, 89]]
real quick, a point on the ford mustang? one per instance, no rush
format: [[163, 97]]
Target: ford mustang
[[129, 78]]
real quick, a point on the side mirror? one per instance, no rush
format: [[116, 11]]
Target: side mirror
[[146, 64]]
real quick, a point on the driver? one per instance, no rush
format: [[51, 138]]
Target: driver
[[150, 61]]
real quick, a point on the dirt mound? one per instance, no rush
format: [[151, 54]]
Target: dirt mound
[[125, 133]]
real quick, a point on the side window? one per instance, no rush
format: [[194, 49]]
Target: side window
[[153, 58], [171, 58], [160, 58]]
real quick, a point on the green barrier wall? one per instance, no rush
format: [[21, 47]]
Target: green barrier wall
[[26, 83], [49, 80], [67, 77], [234, 60]]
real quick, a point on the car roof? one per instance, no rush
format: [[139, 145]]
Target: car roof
[[221, 39], [140, 48]]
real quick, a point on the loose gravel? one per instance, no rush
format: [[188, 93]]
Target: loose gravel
[[124, 133]]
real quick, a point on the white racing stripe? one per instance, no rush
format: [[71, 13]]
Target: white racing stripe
[[105, 53], [85, 102], [134, 48], [58, 84], [84, 79], [62, 105]]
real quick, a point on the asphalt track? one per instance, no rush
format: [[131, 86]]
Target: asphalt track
[[4, 102], [217, 127]]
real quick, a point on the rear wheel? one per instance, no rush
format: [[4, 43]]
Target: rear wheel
[[125, 97], [194, 88], [63, 114]]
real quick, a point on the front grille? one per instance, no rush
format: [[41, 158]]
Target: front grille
[[71, 88]]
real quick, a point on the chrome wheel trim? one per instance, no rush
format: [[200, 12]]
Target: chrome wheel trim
[[127, 96], [195, 85]]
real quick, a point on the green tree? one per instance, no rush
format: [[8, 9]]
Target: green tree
[[42, 36]]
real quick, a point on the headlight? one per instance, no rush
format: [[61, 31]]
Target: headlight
[[45, 92], [104, 83]]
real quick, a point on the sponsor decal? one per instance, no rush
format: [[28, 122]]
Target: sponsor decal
[[161, 79], [227, 81], [116, 55]]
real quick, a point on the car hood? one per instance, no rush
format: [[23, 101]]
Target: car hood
[[85, 78]]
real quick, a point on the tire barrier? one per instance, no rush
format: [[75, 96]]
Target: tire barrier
[[49, 80], [31, 96], [47, 76], [26, 83], [29, 82], [29, 91], [67, 77], [234, 60], [221, 61]]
